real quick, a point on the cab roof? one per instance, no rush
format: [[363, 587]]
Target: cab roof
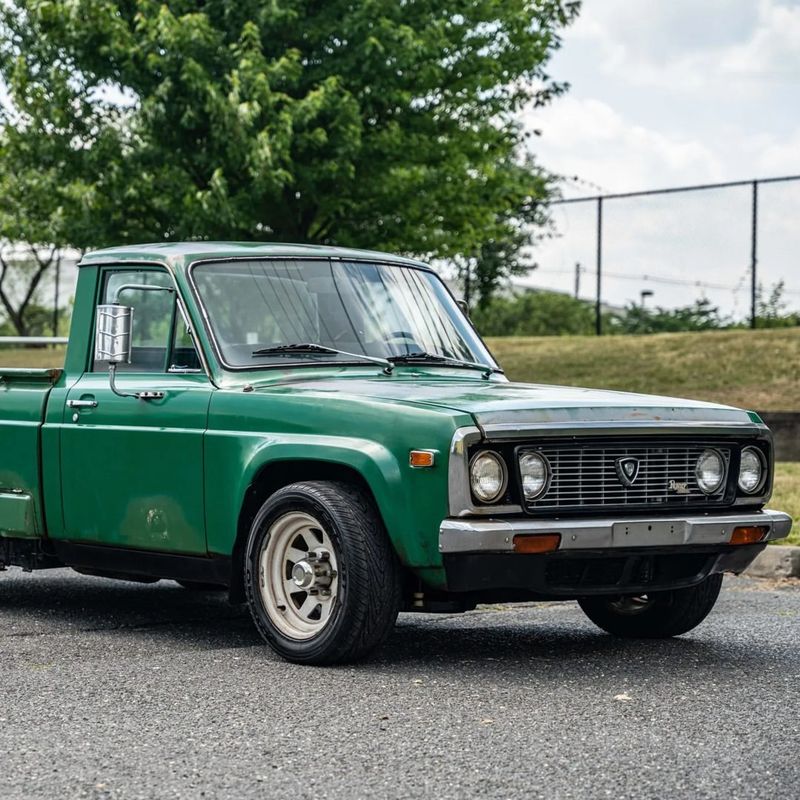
[[182, 254]]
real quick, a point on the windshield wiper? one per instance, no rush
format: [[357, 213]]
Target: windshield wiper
[[312, 347], [421, 357]]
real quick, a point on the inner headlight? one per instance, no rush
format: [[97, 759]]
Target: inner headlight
[[487, 476], [534, 473], [709, 471], [751, 470]]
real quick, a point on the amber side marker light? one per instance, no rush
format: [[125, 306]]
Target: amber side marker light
[[536, 542], [421, 458], [748, 534]]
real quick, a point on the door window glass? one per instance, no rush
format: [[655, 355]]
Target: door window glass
[[157, 326]]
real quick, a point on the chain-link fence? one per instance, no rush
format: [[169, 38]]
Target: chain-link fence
[[729, 245]]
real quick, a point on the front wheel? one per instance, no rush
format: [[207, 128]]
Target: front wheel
[[321, 578], [654, 616]]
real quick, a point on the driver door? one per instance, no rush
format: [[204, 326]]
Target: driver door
[[132, 470]]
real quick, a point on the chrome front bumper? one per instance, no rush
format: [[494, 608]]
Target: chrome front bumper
[[497, 535]]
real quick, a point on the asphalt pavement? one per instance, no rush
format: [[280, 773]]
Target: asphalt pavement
[[120, 690]]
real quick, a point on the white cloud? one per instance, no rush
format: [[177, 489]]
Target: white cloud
[[667, 94], [589, 139]]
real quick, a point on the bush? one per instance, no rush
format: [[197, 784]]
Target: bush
[[538, 313]]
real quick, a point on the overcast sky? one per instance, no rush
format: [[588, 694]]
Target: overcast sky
[[674, 93]]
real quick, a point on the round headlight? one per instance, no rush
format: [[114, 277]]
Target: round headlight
[[487, 476], [751, 470], [534, 473], [710, 471]]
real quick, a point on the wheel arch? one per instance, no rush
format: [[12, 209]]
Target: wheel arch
[[271, 477]]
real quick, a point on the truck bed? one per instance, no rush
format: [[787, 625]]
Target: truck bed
[[23, 400]]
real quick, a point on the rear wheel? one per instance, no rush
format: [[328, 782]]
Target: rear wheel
[[321, 579], [654, 616]]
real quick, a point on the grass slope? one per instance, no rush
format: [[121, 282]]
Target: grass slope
[[32, 357], [786, 496], [753, 369]]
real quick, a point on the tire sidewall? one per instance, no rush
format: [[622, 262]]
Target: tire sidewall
[[283, 502]]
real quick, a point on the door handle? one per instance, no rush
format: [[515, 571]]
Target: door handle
[[81, 403]]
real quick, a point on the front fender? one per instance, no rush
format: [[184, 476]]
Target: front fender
[[412, 503]]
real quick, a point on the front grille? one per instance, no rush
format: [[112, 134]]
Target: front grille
[[587, 476]]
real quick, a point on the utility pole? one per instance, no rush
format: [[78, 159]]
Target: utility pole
[[578, 270]]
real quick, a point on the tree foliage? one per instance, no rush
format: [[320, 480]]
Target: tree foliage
[[534, 313], [379, 123], [700, 316]]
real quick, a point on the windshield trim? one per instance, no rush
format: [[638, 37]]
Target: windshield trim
[[209, 328]]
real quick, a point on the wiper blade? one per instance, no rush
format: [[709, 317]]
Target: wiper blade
[[312, 347], [421, 357], [297, 347]]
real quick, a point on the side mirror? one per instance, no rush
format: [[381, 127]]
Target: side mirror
[[462, 304], [112, 341]]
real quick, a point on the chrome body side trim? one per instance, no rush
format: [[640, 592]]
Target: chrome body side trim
[[497, 535]]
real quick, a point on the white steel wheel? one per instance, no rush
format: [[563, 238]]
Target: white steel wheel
[[298, 575], [320, 576]]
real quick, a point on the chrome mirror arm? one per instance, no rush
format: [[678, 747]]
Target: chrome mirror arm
[[148, 395]]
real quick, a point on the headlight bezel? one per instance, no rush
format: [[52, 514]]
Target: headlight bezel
[[548, 473], [722, 483], [503, 468], [762, 479]]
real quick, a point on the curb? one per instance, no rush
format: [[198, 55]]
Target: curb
[[777, 561]]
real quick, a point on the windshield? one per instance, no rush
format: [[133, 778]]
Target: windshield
[[257, 307]]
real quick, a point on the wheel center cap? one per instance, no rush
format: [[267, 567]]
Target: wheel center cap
[[303, 574]]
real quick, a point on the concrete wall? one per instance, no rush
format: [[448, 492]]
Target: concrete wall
[[785, 427]]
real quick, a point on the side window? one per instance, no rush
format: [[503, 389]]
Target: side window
[[158, 328]]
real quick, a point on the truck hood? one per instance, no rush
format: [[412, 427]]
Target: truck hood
[[500, 402]]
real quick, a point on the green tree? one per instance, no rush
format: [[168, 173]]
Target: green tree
[[22, 269], [377, 124]]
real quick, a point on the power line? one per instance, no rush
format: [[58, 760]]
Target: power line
[[655, 279]]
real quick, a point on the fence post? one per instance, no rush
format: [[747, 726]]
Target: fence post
[[754, 256], [598, 318]]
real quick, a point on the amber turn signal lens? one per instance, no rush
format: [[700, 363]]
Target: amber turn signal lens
[[748, 534], [421, 458], [536, 542]]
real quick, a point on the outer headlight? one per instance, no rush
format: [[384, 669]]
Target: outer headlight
[[751, 470], [709, 471], [487, 476], [534, 472]]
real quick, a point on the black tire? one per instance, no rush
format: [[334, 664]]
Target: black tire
[[197, 586], [368, 589], [662, 615]]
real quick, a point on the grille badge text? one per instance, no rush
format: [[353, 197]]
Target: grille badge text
[[680, 487]]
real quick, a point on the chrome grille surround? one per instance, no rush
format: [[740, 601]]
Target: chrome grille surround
[[585, 475]]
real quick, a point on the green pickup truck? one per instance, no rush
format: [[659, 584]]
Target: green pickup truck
[[322, 433]]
